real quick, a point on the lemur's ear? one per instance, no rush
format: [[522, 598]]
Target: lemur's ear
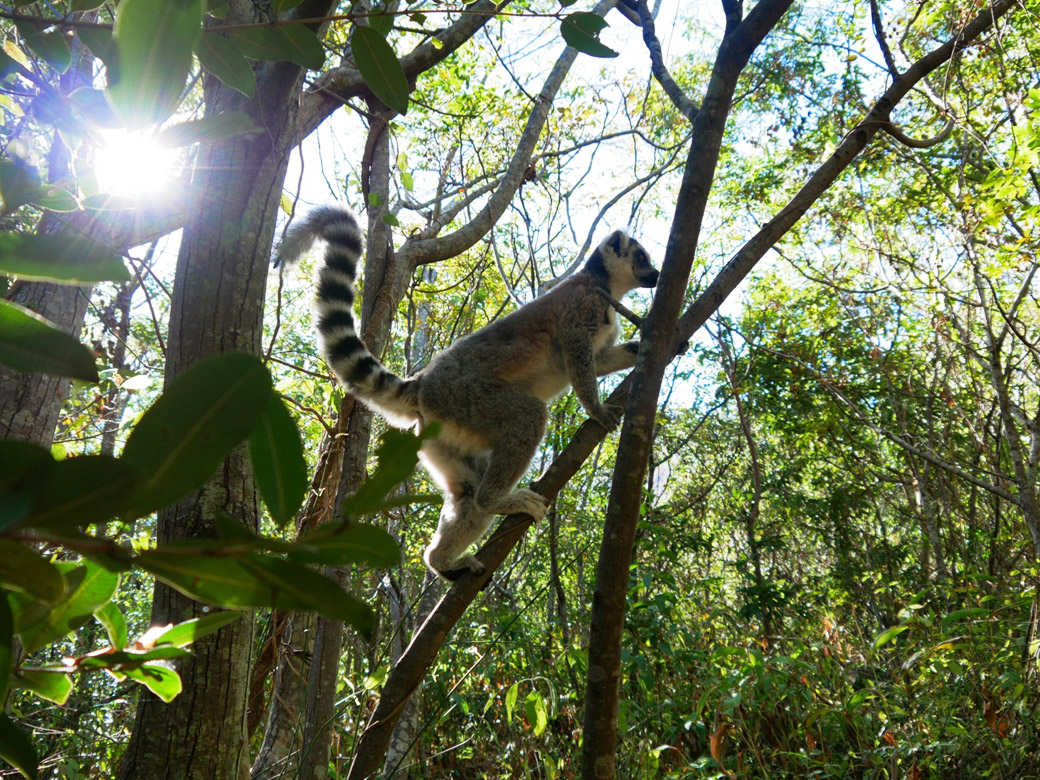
[[615, 240]]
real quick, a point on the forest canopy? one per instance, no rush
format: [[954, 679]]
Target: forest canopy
[[810, 549]]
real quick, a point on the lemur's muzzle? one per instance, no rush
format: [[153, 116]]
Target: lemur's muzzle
[[648, 278]]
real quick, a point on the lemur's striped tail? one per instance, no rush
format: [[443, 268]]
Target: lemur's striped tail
[[346, 354]]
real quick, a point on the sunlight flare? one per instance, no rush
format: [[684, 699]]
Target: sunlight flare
[[130, 163]]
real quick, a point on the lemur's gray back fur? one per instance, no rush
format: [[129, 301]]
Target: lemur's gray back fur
[[488, 390]]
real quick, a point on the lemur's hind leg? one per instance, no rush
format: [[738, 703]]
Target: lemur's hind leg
[[461, 521], [517, 436]]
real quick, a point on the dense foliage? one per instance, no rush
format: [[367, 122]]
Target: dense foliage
[[836, 561]]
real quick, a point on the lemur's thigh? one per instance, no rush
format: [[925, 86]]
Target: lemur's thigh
[[520, 428]]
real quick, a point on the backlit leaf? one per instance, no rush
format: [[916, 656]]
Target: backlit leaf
[[223, 59], [160, 680], [17, 749], [88, 586], [276, 452], [153, 42], [67, 259], [115, 624], [208, 129], [190, 631], [285, 43], [23, 568], [83, 490], [582, 31], [379, 67], [52, 686], [30, 343], [358, 543], [182, 439]]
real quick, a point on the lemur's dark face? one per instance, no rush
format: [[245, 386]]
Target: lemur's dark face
[[643, 271]]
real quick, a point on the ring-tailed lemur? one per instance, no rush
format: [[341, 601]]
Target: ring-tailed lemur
[[488, 390]]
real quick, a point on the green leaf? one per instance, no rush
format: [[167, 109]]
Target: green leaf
[[220, 57], [276, 452], [160, 680], [56, 199], [887, 636], [286, 43], [207, 130], [66, 259], [381, 23], [88, 586], [99, 41], [6, 644], [17, 749], [29, 343], [311, 590], [537, 715], [52, 686], [19, 184], [398, 454], [255, 581], [23, 568], [121, 661], [49, 46], [582, 31], [190, 631], [18, 461], [84, 5], [511, 697], [153, 41], [379, 67], [347, 543], [83, 490], [115, 624], [182, 439]]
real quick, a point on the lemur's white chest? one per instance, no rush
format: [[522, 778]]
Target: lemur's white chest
[[607, 333]]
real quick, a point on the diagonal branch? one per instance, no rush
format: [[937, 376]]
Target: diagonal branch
[[686, 106]]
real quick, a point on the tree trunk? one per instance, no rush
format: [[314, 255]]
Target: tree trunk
[[217, 306]]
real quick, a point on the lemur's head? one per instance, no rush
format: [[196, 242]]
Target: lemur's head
[[623, 263]]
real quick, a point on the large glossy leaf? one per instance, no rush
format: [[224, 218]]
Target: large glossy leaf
[[66, 259], [160, 680], [23, 568], [114, 622], [582, 31], [153, 42], [223, 59], [17, 749], [19, 460], [83, 490], [182, 439], [47, 44], [276, 452], [255, 581], [311, 590], [53, 686], [190, 631], [6, 644], [29, 343], [379, 67], [88, 586], [288, 43], [398, 454], [208, 129], [359, 543]]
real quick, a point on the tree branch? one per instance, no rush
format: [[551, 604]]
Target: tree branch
[[686, 106]]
